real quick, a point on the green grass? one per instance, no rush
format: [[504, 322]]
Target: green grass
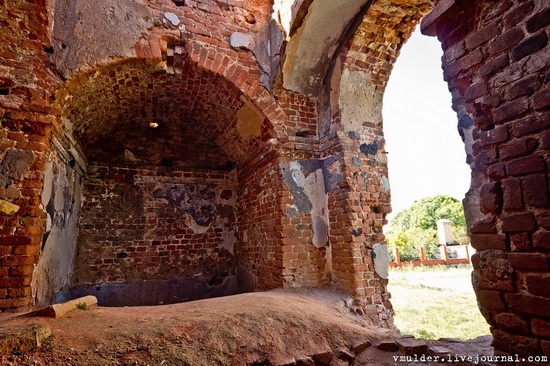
[[436, 302]]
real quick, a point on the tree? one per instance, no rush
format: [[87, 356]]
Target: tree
[[416, 226]]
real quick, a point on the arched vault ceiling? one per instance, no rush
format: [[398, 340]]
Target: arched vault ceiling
[[310, 50], [201, 117], [384, 27]]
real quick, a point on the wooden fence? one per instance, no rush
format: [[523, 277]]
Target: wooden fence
[[450, 254]]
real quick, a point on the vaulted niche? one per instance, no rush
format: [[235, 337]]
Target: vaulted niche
[[171, 161]]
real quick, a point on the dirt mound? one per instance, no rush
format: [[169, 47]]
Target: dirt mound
[[282, 327]]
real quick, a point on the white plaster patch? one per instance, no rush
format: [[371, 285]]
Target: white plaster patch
[[359, 101], [241, 40], [381, 259], [385, 183], [172, 18]]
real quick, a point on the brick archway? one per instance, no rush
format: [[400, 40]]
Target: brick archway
[[236, 68]]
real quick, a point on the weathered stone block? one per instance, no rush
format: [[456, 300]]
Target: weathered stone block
[[491, 197], [541, 241], [528, 305], [512, 194], [481, 36], [520, 242], [488, 241], [529, 46], [510, 110], [518, 14], [522, 87], [506, 40], [519, 222], [536, 190], [512, 323], [538, 21], [541, 327], [494, 65], [534, 261], [515, 344], [541, 99], [490, 300], [526, 165], [537, 284]]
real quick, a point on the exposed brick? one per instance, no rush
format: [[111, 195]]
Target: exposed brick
[[490, 197], [481, 36], [517, 148], [510, 110], [522, 87], [494, 136], [512, 194], [451, 54], [464, 63], [488, 241], [506, 40], [494, 65], [537, 284], [533, 261], [541, 241], [490, 300], [527, 165], [528, 304], [484, 226], [541, 99], [517, 15], [535, 189], [529, 46], [520, 242], [496, 172], [519, 222], [512, 323], [541, 327], [529, 125], [538, 21], [475, 91], [515, 344], [545, 140], [487, 156]]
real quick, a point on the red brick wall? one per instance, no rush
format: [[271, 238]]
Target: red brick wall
[[259, 220], [497, 65], [25, 130], [131, 229]]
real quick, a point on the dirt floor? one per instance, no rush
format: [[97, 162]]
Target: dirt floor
[[281, 327]]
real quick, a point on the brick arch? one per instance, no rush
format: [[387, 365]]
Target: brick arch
[[238, 69], [119, 100]]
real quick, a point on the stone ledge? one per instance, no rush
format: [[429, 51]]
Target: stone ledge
[[20, 340], [429, 23]]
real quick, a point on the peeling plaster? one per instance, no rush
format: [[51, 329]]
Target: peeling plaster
[[86, 34], [360, 102], [311, 49], [199, 204], [61, 199]]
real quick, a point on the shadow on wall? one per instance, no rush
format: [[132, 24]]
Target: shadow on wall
[[172, 291]]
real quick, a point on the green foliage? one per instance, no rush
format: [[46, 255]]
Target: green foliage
[[425, 212], [416, 226]]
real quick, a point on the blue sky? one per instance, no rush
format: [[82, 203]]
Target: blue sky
[[426, 154]]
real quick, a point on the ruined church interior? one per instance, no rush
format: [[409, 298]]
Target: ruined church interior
[[160, 152]]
